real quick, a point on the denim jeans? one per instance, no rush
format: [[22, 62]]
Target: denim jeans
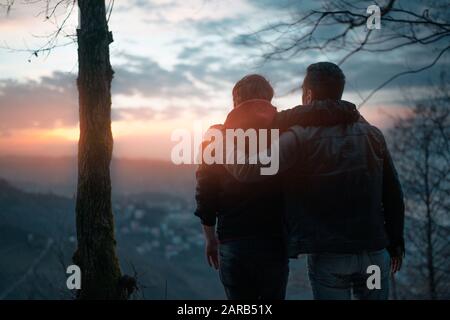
[[254, 268], [335, 276]]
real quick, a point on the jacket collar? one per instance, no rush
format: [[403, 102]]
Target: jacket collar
[[255, 113]]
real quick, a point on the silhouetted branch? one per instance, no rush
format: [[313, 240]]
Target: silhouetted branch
[[51, 16], [436, 59], [401, 28], [420, 147]]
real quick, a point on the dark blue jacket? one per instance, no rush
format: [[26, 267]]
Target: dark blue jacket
[[342, 193], [255, 209]]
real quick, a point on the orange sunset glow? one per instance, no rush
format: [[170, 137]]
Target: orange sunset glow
[[183, 73]]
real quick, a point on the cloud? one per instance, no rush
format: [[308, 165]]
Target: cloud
[[367, 71], [189, 52], [47, 103], [144, 113], [52, 101], [132, 114], [205, 71], [205, 61], [217, 27], [284, 5], [146, 5], [146, 77], [201, 82]]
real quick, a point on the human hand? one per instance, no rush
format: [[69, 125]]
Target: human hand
[[212, 253], [396, 264]]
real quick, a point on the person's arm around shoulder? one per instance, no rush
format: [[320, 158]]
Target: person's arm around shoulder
[[283, 151], [319, 113]]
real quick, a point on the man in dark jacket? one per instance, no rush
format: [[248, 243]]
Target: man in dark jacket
[[253, 257], [343, 200]]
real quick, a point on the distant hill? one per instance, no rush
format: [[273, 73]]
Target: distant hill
[[46, 214], [37, 240], [31, 229], [59, 175]]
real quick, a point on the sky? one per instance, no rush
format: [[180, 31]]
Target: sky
[[175, 64]]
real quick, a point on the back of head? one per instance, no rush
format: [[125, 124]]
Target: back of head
[[325, 80], [253, 86]]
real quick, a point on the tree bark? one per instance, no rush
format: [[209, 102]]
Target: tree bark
[[96, 252]]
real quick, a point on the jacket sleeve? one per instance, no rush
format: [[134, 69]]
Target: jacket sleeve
[[320, 113], [249, 167], [208, 186], [287, 118], [393, 205], [206, 193]]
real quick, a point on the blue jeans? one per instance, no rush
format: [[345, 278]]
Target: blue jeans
[[335, 276], [254, 268]]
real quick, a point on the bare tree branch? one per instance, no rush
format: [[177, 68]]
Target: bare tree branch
[[51, 16], [403, 26]]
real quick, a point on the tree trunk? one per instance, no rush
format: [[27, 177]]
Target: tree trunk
[[96, 252]]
